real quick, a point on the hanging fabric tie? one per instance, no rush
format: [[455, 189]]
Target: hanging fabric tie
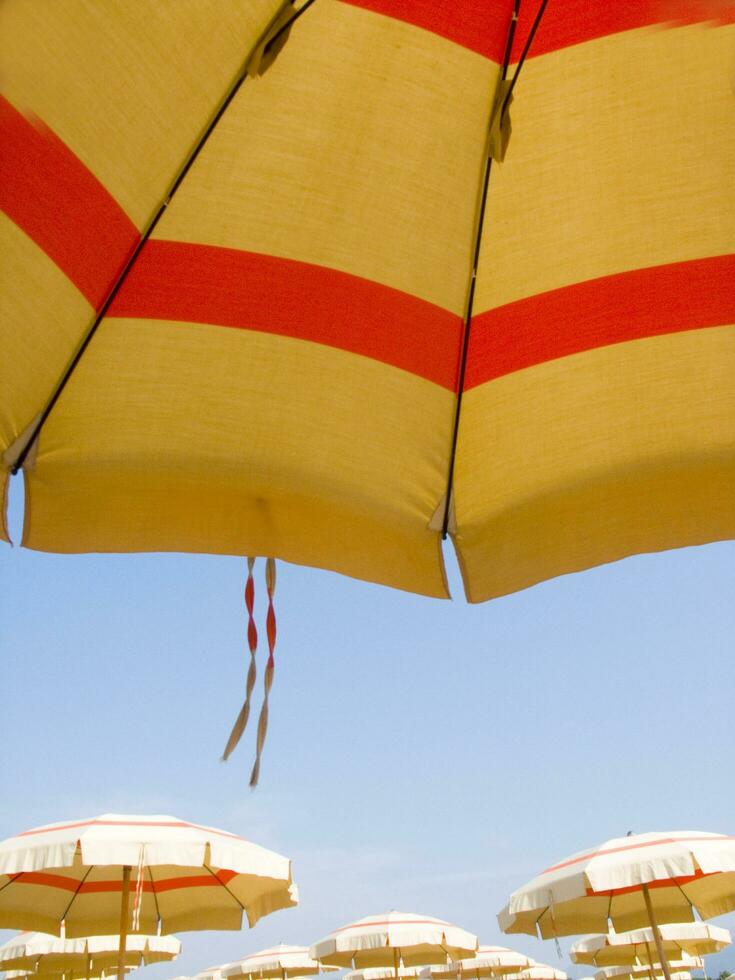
[[270, 584], [242, 719], [135, 926]]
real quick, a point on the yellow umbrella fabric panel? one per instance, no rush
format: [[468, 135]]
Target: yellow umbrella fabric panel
[[277, 375], [598, 412], [100, 105]]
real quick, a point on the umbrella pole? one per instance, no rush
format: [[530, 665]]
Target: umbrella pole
[[650, 961], [395, 962], [656, 933], [88, 968], [124, 907]]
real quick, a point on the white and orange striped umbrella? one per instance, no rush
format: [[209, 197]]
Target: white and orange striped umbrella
[[639, 945], [182, 875], [678, 873], [40, 953], [631, 882], [278, 961], [217, 238], [490, 961], [394, 939]]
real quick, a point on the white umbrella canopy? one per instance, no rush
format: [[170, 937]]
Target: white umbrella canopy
[[75, 974], [183, 876], [278, 961], [675, 873], [538, 971], [639, 971], [490, 961], [394, 939], [639, 945], [44, 974], [211, 972], [38, 952], [386, 973], [627, 973]]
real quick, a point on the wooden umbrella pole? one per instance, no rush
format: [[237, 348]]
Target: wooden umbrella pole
[[395, 962], [656, 933], [88, 966], [124, 908], [650, 960]]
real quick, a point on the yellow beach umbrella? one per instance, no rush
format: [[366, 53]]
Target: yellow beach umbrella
[[629, 882], [639, 945], [202, 271], [39, 952], [280, 961], [394, 938], [181, 876]]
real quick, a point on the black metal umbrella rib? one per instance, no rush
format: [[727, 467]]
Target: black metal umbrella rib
[[76, 892], [478, 236]]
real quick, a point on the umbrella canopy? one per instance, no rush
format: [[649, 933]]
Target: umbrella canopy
[[394, 938], [70, 975], [640, 973], [685, 963], [490, 961], [185, 876], [678, 872], [210, 973], [385, 973], [278, 961], [539, 971], [268, 317], [639, 945], [38, 952]]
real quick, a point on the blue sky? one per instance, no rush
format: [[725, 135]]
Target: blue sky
[[423, 755]]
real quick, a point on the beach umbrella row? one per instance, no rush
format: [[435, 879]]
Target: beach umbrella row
[[40, 954], [403, 942]]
